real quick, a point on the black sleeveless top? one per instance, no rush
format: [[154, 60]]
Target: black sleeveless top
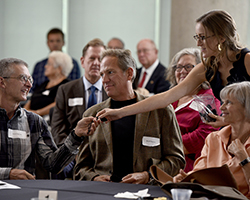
[[237, 74]]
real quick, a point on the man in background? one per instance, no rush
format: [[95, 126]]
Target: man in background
[[115, 43], [74, 98], [55, 42], [152, 73]]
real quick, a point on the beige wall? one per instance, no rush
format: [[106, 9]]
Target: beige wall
[[185, 12]]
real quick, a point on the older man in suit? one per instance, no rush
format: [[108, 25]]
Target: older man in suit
[[75, 97], [123, 150], [151, 75], [72, 98]]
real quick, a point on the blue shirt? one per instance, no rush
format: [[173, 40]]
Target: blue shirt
[[24, 135], [39, 77]]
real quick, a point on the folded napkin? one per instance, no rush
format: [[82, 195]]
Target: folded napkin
[[130, 195]]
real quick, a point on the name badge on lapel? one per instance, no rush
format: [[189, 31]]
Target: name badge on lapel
[[150, 141], [75, 101], [17, 134], [46, 92]]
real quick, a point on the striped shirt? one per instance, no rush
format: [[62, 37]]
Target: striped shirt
[[24, 135]]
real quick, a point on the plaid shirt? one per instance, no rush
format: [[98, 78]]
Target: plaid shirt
[[39, 77], [26, 134]]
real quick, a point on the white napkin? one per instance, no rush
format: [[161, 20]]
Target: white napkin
[[130, 195]]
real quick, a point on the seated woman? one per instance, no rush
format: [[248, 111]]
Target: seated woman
[[57, 69], [193, 130], [230, 145]]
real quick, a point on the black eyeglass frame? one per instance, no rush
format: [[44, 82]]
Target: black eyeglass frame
[[22, 78], [197, 37], [179, 68]]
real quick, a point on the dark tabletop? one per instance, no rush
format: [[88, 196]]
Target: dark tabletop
[[74, 190]]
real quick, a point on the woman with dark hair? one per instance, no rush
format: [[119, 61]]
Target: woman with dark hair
[[224, 62]]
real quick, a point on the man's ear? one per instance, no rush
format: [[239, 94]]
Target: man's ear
[[82, 61], [2, 83], [130, 73]]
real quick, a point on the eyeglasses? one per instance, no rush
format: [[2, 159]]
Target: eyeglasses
[[188, 67], [197, 37], [23, 78]]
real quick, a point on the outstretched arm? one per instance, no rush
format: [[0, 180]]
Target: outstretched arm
[[190, 83]]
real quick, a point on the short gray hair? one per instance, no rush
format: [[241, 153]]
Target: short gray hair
[[6, 65], [170, 71], [241, 92], [124, 59], [63, 60]]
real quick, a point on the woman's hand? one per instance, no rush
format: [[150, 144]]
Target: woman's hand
[[219, 121], [238, 149], [110, 114], [179, 177]]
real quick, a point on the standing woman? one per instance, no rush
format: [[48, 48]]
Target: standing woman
[[224, 62], [193, 130], [57, 69]]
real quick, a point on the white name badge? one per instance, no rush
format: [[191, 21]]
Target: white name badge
[[76, 101], [150, 141], [194, 106], [46, 92], [17, 134]]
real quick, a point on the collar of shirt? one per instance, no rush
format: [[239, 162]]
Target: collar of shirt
[[87, 84], [149, 71]]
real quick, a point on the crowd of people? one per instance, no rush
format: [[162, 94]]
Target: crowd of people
[[116, 121]]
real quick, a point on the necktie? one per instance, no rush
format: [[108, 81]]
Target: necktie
[[92, 97], [143, 79]]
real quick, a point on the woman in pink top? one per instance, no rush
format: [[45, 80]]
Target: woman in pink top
[[230, 145], [193, 130]]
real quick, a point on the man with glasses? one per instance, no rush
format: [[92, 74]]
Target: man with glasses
[[24, 134], [152, 73]]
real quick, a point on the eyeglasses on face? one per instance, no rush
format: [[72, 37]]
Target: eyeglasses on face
[[22, 78], [188, 67], [202, 37]]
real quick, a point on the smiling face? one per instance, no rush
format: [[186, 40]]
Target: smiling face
[[16, 90], [209, 46], [183, 61], [91, 63], [115, 80], [232, 110]]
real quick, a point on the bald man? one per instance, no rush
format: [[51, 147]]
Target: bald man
[[152, 73]]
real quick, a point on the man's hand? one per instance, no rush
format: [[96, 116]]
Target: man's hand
[[136, 178], [103, 178], [219, 121], [17, 174], [86, 126], [179, 177]]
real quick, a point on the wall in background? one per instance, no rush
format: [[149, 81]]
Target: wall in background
[[24, 24]]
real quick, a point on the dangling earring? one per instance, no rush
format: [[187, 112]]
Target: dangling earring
[[219, 47]]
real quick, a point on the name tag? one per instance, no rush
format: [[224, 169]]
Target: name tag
[[46, 92], [76, 101], [17, 134], [194, 106], [150, 141]]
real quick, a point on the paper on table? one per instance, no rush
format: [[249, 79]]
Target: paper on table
[[4, 185], [130, 195]]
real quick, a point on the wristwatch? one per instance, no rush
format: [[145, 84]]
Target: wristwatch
[[244, 162]]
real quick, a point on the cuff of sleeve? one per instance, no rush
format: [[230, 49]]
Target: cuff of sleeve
[[72, 142], [5, 173]]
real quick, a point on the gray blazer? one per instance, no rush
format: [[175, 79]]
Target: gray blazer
[[96, 152]]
